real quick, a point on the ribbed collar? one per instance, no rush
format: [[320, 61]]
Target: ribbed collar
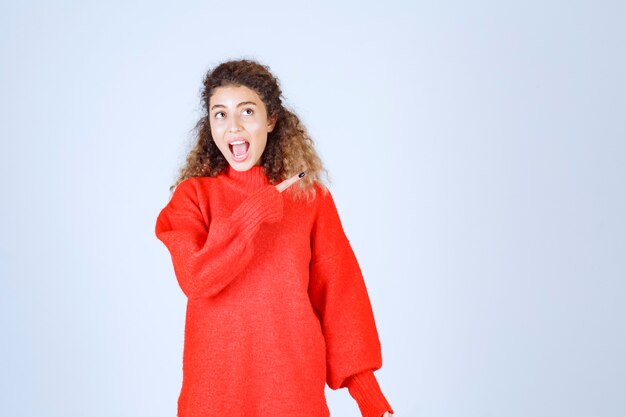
[[251, 179]]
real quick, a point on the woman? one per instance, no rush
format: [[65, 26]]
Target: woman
[[277, 305]]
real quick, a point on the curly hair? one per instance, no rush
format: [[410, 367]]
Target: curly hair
[[289, 149]]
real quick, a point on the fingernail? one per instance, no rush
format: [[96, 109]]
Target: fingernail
[[301, 175]]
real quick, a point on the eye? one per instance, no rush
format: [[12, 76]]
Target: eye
[[251, 111]]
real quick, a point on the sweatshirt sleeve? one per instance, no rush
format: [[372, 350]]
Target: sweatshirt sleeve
[[207, 257], [338, 293]]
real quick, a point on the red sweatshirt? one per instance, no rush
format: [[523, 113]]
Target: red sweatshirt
[[277, 305]]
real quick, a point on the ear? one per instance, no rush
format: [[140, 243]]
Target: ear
[[271, 123]]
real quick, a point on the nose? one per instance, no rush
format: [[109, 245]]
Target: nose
[[234, 124]]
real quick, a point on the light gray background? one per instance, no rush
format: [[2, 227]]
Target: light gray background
[[477, 156]]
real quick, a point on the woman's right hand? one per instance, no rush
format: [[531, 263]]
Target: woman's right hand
[[286, 183]]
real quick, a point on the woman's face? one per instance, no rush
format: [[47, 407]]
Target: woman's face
[[239, 125]]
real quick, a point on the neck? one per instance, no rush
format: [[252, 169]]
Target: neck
[[252, 178]]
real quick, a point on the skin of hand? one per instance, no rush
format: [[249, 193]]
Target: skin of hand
[[387, 414], [286, 183]]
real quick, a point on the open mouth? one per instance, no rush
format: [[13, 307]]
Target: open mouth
[[239, 149]]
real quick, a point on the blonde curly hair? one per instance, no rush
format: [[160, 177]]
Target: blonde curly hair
[[289, 149]]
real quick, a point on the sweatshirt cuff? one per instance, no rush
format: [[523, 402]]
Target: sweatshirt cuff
[[264, 205], [364, 388]]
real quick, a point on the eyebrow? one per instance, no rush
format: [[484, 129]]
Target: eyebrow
[[243, 103]]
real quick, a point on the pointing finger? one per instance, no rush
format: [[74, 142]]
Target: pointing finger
[[289, 181]]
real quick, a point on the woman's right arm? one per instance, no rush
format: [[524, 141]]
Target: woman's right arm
[[207, 258]]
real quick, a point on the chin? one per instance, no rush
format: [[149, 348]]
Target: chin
[[241, 166]]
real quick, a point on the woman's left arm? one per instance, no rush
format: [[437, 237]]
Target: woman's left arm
[[337, 291]]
